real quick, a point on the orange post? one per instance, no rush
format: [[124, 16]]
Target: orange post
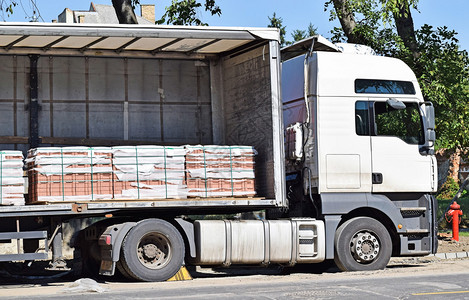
[[453, 215]]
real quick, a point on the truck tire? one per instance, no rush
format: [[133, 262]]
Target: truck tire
[[362, 244], [120, 268], [85, 263], [153, 250]]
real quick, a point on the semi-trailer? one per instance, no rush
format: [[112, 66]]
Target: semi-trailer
[[344, 140]]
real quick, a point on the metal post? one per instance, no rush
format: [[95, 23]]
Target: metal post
[[57, 242], [18, 241], [58, 262], [33, 103]]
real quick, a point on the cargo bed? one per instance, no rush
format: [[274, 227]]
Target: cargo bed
[[87, 85], [104, 207]]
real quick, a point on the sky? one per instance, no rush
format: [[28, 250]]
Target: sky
[[296, 14]]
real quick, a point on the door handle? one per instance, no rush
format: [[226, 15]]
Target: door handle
[[377, 178]]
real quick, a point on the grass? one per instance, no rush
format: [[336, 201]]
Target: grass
[[463, 202]]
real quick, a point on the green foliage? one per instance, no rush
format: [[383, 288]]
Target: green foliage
[[375, 32], [443, 73], [312, 30], [7, 6], [185, 12], [374, 10], [391, 7], [299, 35], [441, 68], [449, 189], [443, 204], [277, 22]]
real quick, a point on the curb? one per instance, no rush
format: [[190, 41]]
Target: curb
[[450, 255]]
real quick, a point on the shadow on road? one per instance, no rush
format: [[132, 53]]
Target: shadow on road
[[35, 274], [241, 270]]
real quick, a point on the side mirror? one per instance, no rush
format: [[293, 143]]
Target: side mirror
[[430, 115], [396, 104], [430, 136]]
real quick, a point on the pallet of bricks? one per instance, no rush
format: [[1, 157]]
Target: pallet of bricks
[[69, 174], [11, 178], [220, 171], [159, 172], [139, 172], [149, 172]]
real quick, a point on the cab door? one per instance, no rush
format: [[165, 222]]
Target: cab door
[[396, 136]]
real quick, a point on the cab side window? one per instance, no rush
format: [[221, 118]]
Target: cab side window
[[362, 119], [405, 124], [380, 119]]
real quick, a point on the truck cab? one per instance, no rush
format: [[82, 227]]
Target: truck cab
[[366, 136]]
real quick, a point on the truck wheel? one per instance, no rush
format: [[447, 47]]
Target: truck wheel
[[85, 263], [362, 244], [122, 270], [152, 251]]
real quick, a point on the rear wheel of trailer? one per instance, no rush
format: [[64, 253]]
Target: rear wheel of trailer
[[153, 250]]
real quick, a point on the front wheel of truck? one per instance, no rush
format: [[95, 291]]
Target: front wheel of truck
[[362, 244]]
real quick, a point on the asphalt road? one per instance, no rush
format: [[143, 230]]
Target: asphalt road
[[404, 279]]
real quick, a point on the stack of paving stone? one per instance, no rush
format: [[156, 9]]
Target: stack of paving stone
[[70, 174], [139, 172], [220, 171], [11, 178], [149, 172]]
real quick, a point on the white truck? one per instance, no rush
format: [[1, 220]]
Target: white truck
[[349, 179]]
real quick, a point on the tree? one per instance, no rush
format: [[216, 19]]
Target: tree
[[299, 35], [368, 30], [404, 23], [442, 69], [182, 12], [443, 73], [8, 6], [277, 22], [185, 12], [125, 11], [345, 12]]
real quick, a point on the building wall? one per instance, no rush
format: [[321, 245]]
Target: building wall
[[104, 14]]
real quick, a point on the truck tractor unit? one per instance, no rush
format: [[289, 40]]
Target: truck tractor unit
[[332, 142]]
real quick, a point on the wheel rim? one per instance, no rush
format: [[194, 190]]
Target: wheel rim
[[365, 247], [154, 250]]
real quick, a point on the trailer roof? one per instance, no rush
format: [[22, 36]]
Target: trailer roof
[[121, 39], [317, 42]]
